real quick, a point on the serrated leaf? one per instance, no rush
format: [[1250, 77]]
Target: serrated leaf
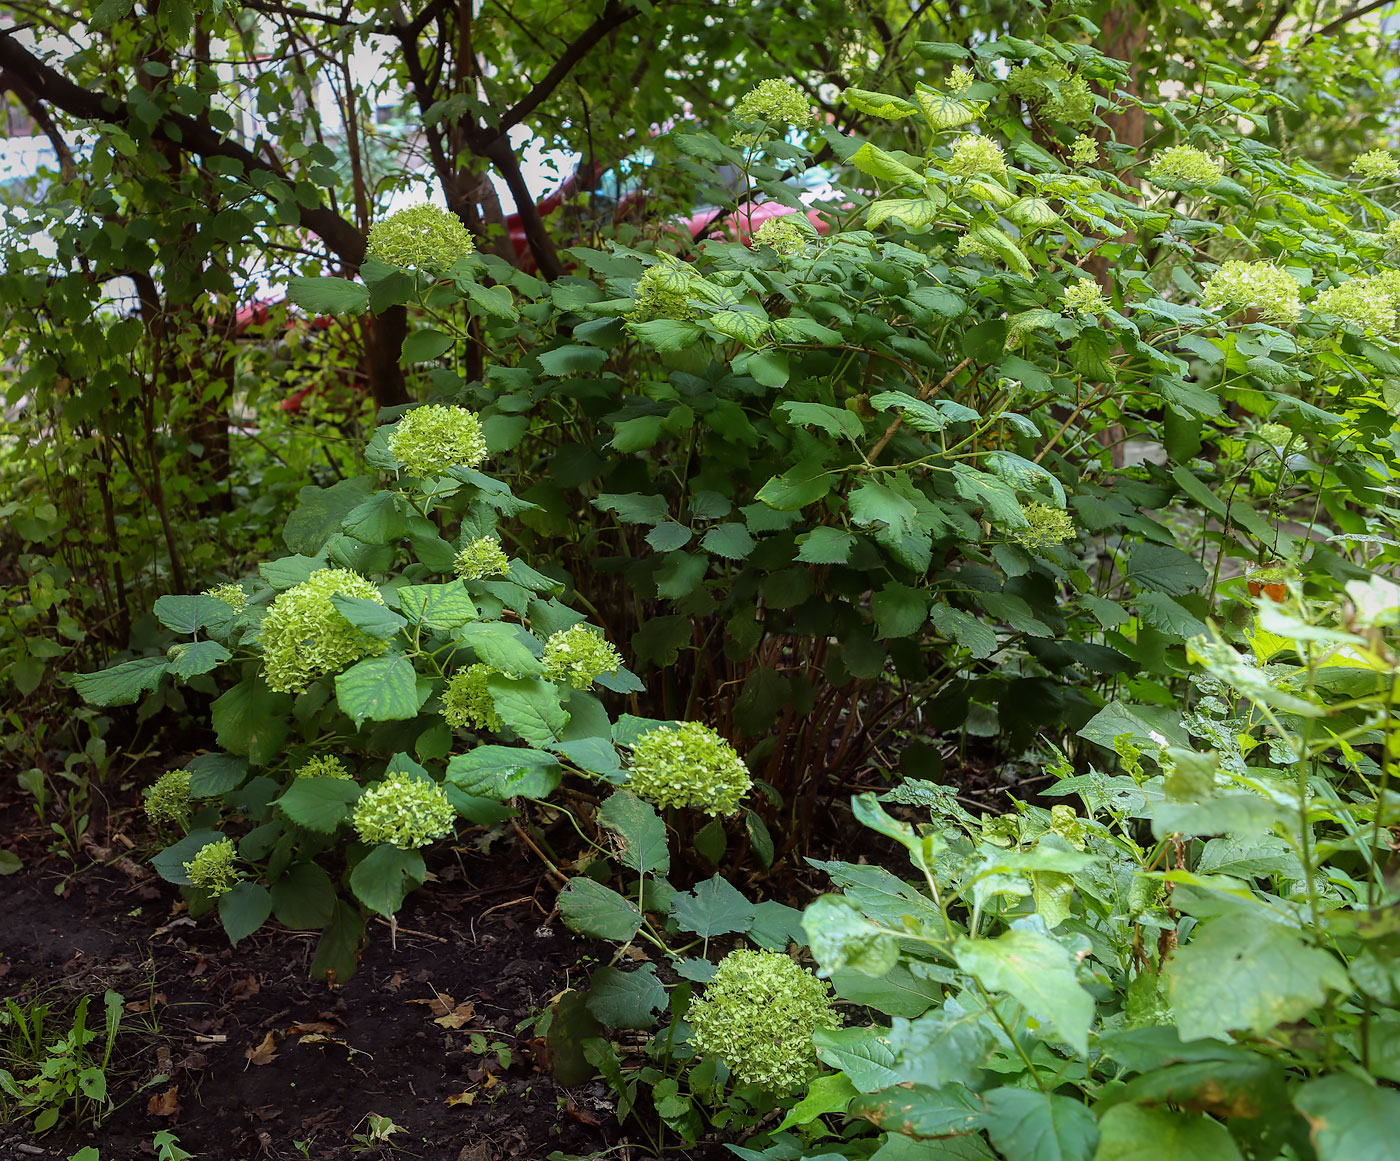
[[748, 326], [626, 999], [190, 615], [883, 105], [1350, 1120], [385, 876], [1038, 974], [592, 909], [917, 414], [841, 937], [319, 804], [370, 617], [505, 772], [121, 684], [911, 213], [713, 908], [826, 546], [1134, 1133], [641, 835], [192, 658], [379, 689], [1039, 1126], [437, 606], [501, 645], [530, 707], [875, 162], [943, 111], [1165, 569], [329, 295], [730, 541]]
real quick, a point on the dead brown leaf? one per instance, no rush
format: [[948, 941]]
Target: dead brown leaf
[[459, 1017], [324, 1027], [440, 1004], [165, 1104], [265, 1052], [465, 1097]]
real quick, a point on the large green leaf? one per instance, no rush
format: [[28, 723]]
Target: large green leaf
[[713, 908], [590, 908], [191, 658], [505, 772], [641, 835], [320, 511], [863, 1054], [189, 615], [1040, 1126], [1134, 1133], [1037, 973], [385, 876], [443, 606], [802, 484], [501, 645], [328, 295], [319, 804], [304, 898], [626, 999], [530, 707], [946, 1046], [338, 949], [1350, 1120], [1165, 569], [1247, 973], [121, 684], [919, 1111], [252, 721], [243, 910], [379, 689], [841, 937]]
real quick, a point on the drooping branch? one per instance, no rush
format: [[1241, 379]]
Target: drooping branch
[[1347, 17]]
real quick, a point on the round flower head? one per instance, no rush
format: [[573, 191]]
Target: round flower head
[[777, 102], [232, 595], [168, 798], [758, 1014], [663, 291], [482, 559], [970, 247], [1360, 304], [1260, 286], [578, 656], [786, 234], [1274, 435], [1084, 151], [326, 766], [214, 867], [976, 156], [404, 810], [1181, 166], [690, 766], [467, 702], [1061, 95], [1045, 527], [304, 636], [960, 79], [1084, 297], [1392, 232], [421, 237], [431, 440], [1376, 165]]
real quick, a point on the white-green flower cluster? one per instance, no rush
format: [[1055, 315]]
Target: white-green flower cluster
[[960, 79], [1274, 435], [1084, 296], [467, 701], [1362, 304], [663, 291], [324, 766], [214, 867], [973, 247], [688, 766], [482, 559], [1060, 94], [1084, 150], [304, 635], [774, 101], [758, 1015], [786, 234], [232, 595], [1260, 286], [1046, 526], [577, 656], [1392, 232], [421, 237], [431, 440], [168, 798], [1376, 165], [1180, 165], [404, 810], [976, 156]]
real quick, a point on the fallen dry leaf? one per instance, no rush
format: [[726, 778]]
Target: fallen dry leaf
[[165, 1104], [265, 1052], [440, 1004], [465, 1097], [324, 1027], [459, 1017]]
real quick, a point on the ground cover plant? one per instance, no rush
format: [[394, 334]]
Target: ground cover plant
[[700, 571]]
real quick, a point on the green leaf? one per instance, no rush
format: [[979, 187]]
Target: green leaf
[[495, 300], [917, 414], [979, 638], [1038, 974], [943, 111], [641, 835], [379, 689], [189, 615], [320, 512], [108, 13], [572, 360], [338, 949], [10, 862], [626, 999], [826, 546], [713, 908], [1163, 613], [863, 1054], [1039, 1126], [882, 105], [899, 992], [319, 804], [832, 420], [840, 936], [329, 295], [530, 707], [370, 617], [501, 645], [802, 484], [899, 610], [385, 876], [376, 521], [444, 606], [252, 721], [592, 909], [730, 541], [1350, 1120], [243, 910], [1165, 569], [1134, 1133], [875, 162], [633, 508], [170, 863], [505, 772], [425, 345], [921, 1112], [668, 536], [942, 1047], [1247, 973], [748, 326], [304, 898], [121, 684], [912, 214], [1091, 354], [190, 659], [826, 1094]]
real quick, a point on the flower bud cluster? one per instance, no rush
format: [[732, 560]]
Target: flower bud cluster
[[214, 867], [1084, 296], [960, 79], [1060, 94], [304, 635], [232, 595], [577, 656], [1084, 150], [786, 234], [168, 798], [481, 559], [467, 701], [688, 766], [325, 766], [1045, 527], [663, 291], [758, 1014], [1362, 304], [404, 810], [1180, 166], [774, 101], [1376, 165], [1260, 286], [422, 237], [976, 156], [431, 440]]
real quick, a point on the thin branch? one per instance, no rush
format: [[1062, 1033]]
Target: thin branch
[[1346, 18]]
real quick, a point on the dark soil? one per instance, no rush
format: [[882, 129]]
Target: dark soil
[[257, 1056]]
